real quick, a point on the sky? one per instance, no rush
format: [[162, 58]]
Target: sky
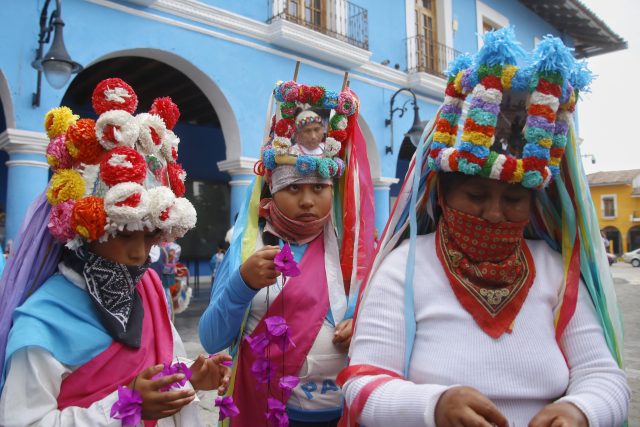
[[606, 115]]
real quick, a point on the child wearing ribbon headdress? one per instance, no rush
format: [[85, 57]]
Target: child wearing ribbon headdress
[[498, 308], [289, 332], [309, 134], [86, 338]]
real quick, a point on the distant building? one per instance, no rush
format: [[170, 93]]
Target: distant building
[[616, 196]]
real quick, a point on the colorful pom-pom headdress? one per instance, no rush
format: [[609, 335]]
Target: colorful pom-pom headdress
[[117, 172], [552, 81], [563, 215]]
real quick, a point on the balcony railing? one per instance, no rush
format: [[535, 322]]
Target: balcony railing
[[339, 19], [428, 56]]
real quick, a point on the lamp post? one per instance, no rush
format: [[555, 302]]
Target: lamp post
[[416, 129], [56, 64]]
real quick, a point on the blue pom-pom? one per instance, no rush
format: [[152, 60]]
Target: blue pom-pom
[[532, 179], [555, 170], [520, 81], [467, 167], [306, 164], [581, 76], [277, 92], [535, 150], [500, 47], [269, 159], [330, 99], [477, 150], [552, 55], [461, 62]]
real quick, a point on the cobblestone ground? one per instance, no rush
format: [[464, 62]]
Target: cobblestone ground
[[627, 283]]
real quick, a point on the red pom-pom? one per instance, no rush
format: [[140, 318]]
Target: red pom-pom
[[285, 128], [316, 93], [451, 91], [114, 94], [549, 88], [177, 176], [165, 108], [492, 82], [123, 164], [88, 218], [304, 94], [82, 142], [534, 163], [556, 152], [508, 169], [339, 135]]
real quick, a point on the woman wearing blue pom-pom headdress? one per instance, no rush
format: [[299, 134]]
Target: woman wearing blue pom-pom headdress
[[488, 303]]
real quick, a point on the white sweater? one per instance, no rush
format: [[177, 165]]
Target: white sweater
[[520, 372]]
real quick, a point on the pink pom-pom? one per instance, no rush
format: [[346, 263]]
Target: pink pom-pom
[[58, 155], [167, 109], [60, 221]]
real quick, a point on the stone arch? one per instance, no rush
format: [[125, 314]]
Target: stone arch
[[219, 102], [615, 239], [7, 103], [633, 238]]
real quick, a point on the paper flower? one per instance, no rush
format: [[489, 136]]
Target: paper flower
[[117, 128], [58, 155], [277, 413], [89, 218], [114, 94], [176, 368], [167, 110], [285, 263], [58, 120], [278, 332], [82, 142], [128, 407], [177, 175], [228, 409], [285, 128], [262, 370], [306, 164], [288, 383], [123, 164], [258, 343], [60, 221], [66, 184]]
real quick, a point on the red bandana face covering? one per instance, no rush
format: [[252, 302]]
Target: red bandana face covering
[[299, 232], [489, 267]]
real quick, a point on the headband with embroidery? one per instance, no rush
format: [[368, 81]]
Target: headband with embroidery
[[307, 117], [552, 81], [117, 172], [279, 150]]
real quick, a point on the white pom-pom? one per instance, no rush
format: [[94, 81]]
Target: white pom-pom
[[169, 142], [185, 217], [160, 201], [150, 124], [127, 204], [125, 129], [332, 147], [281, 145]]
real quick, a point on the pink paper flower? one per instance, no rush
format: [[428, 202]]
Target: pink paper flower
[[262, 370], [228, 409], [60, 221], [128, 407], [277, 413], [288, 383], [258, 343], [278, 332], [176, 368], [285, 263]]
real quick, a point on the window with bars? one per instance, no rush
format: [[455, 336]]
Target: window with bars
[[609, 206]]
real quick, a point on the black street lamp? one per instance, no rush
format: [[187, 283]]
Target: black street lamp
[[416, 129], [56, 64]]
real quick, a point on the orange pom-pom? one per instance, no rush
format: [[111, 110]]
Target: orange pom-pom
[[167, 109], [82, 142], [88, 218]]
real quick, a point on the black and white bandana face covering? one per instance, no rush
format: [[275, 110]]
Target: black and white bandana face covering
[[112, 287]]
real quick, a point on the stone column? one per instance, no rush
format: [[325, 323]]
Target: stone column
[[27, 173], [241, 171], [381, 187]]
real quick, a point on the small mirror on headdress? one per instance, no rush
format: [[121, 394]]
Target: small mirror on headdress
[[509, 136], [310, 131]]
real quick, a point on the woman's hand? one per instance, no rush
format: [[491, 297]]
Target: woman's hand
[[465, 406], [208, 373], [259, 270], [158, 404], [562, 414], [342, 334]]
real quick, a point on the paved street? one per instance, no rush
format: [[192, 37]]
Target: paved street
[[627, 282]]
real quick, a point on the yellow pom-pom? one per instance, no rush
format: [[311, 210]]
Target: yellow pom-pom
[[444, 138], [518, 173], [555, 161], [477, 138], [545, 142], [457, 82], [508, 71], [66, 184], [58, 120]]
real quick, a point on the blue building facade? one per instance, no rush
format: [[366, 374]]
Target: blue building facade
[[219, 60]]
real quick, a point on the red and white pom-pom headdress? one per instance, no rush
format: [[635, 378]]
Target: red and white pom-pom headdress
[[118, 172]]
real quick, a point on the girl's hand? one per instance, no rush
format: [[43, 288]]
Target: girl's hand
[[465, 406], [342, 334], [259, 270], [208, 373], [562, 414], [157, 404]]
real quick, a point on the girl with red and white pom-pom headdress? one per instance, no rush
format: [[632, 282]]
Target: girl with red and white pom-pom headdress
[[91, 343]]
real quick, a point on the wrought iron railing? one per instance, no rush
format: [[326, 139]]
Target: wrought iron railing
[[339, 19], [429, 56]]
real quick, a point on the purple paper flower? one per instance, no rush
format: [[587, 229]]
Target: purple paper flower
[[258, 343], [288, 383], [228, 409], [285, 263], [262, 370], [278, 331], [176, 368], [128, 407], [277, 413], [227, 363]]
